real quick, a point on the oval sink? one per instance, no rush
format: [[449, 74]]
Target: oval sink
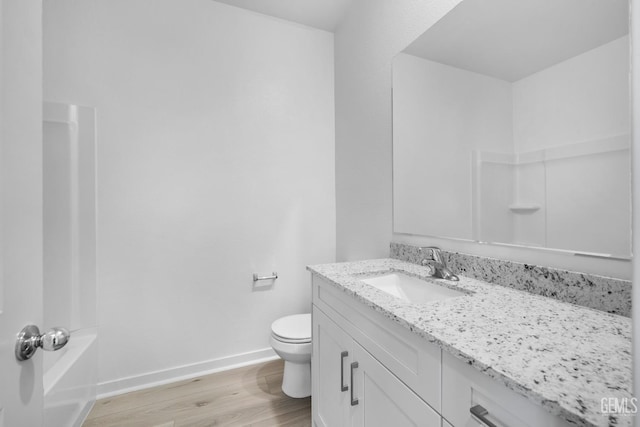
[[411, 289]]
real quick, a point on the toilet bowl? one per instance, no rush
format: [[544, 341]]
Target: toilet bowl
[[291, 340]]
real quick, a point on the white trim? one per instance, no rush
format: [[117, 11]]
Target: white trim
[[179, 373], [492, 157], [54, 112], [586, 148], [84, 413], [635, 199]]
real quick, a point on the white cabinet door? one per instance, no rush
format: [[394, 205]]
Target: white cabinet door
[[351, 388], [384, 400], [332, 353]]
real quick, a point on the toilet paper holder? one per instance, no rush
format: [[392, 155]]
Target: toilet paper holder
[[273, 276]]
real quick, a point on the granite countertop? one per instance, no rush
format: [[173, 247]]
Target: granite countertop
[[564, 357]]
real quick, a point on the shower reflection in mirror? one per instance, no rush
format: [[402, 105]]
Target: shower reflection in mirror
[[511, 124]]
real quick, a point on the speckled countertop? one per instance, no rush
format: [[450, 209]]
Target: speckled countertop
[[564, 357]]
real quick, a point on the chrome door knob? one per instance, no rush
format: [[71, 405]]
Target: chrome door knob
[[29, 340]]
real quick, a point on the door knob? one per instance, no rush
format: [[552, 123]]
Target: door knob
[[29, 339]]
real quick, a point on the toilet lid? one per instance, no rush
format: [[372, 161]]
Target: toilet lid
[[296, 328]]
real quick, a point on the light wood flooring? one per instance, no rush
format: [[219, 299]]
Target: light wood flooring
[[249, 396]]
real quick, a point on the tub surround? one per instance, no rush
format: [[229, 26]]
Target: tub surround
[[597, 292], [564, 357]]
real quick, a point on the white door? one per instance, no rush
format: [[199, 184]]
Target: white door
[[21, 390]]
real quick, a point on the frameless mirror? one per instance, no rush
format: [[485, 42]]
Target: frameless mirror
[[511, 124]]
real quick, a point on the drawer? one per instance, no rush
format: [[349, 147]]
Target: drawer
[[412, 359], [464, 387]]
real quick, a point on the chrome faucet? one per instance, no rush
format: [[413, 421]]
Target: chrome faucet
[[435, 259]]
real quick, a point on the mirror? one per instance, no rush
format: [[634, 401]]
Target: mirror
[[511, 125]]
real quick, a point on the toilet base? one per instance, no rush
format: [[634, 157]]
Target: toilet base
[[296, 381]]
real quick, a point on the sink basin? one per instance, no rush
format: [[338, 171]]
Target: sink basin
[[411, 289]]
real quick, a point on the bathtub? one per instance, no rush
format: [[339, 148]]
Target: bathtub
[[70, 378]]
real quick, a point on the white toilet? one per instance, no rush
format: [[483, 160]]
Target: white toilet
[[291, 340]]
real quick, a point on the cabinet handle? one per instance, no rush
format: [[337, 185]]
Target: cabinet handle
[[480, 413], [342, 356], [354, 402]]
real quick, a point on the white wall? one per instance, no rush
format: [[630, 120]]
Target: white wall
[[373, 32], [215, 160]]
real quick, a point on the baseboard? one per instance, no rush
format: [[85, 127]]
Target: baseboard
[[153, 379], [82, 415]]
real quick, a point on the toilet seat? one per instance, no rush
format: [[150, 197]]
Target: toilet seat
[[289, 340], [295, 329]]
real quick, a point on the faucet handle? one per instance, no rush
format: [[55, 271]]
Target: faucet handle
[[436, 262], [434, 253]]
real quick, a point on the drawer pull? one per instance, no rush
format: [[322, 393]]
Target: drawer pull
[[480, 413], [342, 356], [354, 366]]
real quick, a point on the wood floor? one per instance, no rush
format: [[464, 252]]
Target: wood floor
[[249, 396]]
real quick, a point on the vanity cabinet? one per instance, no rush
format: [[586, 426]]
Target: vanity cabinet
[[464, 387], [370, 371], [358, 354], [352, 388]]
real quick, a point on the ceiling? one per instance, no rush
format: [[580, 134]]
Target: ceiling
[[510, 39], [322, 14]]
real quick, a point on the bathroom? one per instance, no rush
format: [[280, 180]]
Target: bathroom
[[229, 142]]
